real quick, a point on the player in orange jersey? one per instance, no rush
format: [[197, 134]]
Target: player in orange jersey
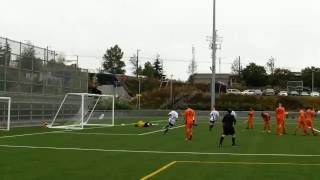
[[266, 119], [189, 116], [280, 115], [301, 123], [309, 120], [250, 119]]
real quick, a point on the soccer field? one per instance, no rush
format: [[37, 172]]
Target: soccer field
[[128, 152]]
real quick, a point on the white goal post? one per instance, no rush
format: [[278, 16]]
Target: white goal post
[[78, 110], [5, 109]]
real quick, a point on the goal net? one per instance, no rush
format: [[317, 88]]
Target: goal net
[[5, 108], [83, 109]]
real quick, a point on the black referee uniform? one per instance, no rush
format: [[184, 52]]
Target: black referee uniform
[[228, 123]]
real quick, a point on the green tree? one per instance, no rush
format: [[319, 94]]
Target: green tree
[[307, 76], [148, 70], [280, 77], [135, 69], [254, 75], [5, 54], [28, 59], [158, 66], [270, 65], [112, 60]]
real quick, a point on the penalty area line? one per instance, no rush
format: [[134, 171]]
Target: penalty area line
[[152, 152]]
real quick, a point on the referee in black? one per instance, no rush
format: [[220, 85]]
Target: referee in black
[[228, 123]]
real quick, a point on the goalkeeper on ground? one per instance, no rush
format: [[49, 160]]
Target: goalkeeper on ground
[[141, 123], [173, 116]]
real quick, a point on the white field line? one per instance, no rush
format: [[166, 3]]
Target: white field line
[[31, 134], [119, 134], [100, 134], [160, 130], [65, 131], [249, 163], [154, 152]]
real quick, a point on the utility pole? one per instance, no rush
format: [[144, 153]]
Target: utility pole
[[171, 96], [239, 66], [213, 68], [139, 83], [312, 80], [219, 64]]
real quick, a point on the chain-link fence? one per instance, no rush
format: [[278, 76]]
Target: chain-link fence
[[36, 79]]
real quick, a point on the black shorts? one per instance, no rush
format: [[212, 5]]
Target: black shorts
[[228, 131], [170, 125]]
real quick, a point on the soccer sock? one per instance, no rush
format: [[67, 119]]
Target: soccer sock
[[210, 127], [233, 141], [221, 140]]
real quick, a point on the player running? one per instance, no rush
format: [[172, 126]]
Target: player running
[[214, 115], [173, 116], [228, 123], [301, 123], [250, 119], [266, 119], [280, 115], [189, 116], [309, 120]]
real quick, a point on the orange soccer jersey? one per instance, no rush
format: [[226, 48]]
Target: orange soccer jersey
[[266, 119], [189, 115], [250, 119], [309, 116], [301, 123], [309, 119], [280, 114]]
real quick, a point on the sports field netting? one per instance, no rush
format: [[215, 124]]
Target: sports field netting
[[128, 152]]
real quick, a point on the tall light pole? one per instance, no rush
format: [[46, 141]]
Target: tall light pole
[[139, 83], [171, 97], [213, 68], [312, 81]]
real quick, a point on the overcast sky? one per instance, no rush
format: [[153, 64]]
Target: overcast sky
[[288, 30]]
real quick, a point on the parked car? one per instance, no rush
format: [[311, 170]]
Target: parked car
[[257, 92], [283, 93], [303, 93], [233, 91], [293, 93], [249, 92], [268, 92], [314, 93]]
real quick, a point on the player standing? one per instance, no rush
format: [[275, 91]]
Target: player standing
[[173, 116], [266, 119], [214, 115], [280, 115], [309, 120], [228, 123], [189, 116], [250, 119], [301, 123]]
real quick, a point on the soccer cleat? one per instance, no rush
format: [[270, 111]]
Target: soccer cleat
[[235, 145]]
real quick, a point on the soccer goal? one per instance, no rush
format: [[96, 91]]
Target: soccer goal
[[83, 109], [5, 108]]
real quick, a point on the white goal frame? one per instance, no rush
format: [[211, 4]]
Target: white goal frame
[[8, 113], [83, 121]]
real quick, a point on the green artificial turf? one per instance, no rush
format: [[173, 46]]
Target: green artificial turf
[[125, 152]]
